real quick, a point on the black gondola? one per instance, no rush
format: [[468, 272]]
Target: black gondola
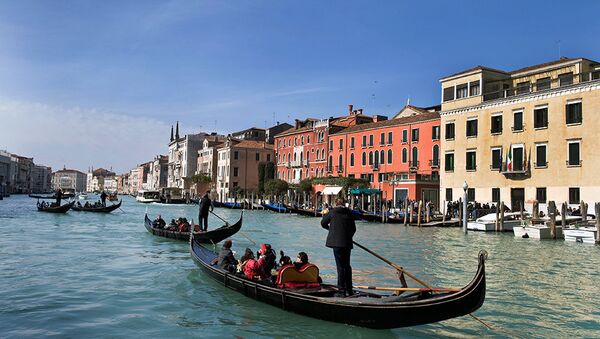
[[362, 309], [278, 208], [51, 196], [305, 212], [212, 236], [100, 209], [59, 209]]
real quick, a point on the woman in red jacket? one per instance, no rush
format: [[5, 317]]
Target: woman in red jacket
[[251, 267]]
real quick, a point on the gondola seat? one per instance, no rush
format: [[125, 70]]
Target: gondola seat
[[305, 277]]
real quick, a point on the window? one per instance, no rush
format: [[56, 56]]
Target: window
[[470, 194], [449, 93], [370, 158], [341, 144], [390, 156], [496, 159], [302, 140], [574, 155], [461, 91], [364, 141], [474, 88], [257, 156], [415, 134], [540, 194], [364, 159], [596, 75], [496, 124], [404, 155], [382, 156], [236, 155], [573, 112], [435, 133], [382, 139], [565, 79], [435, 157], [331, 145], [574, 195], [523, 87], [518, 121], [269, 157], [390, 138], [450, 131], [415, 157], [517, 158], [449, 162], [308, 139], [330, 164], [448, 194], [496, 195], [404, 136], [351, 159], [472, 128], [235, 171], [540, 156], [540, 117], [352, 143], [371, 140], [376, 159], [471, 160], [340, 162], [543, 83]]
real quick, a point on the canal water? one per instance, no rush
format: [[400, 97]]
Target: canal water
[[92, 275]]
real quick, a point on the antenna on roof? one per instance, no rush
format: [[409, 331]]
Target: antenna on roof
[[408, 101], [559, 53]]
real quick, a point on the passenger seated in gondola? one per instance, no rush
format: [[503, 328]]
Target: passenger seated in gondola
[[78, 204], [270, 257], [172, 225], [252, 268], [284, 259], [159, 222], [301, 274], [183, 226], [226, 260], [87, 205]]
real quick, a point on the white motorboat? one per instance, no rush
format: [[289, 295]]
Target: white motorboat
[[584, 234], [487, 223], [83, 196], [148, 196], [537, 232]]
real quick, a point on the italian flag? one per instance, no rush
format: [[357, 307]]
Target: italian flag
[[509, 160]]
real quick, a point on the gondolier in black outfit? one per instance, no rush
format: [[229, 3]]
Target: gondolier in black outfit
[[205, 206], [103, 198], [59, 195], [340, 223]]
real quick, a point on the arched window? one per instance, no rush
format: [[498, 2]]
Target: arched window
[[351, 159], [306, 173], [294, 157], [390, 156], [340, 161], [364, 159], [436, 155], [404, 155], [370, 158], [308, 139], [302, 141], [376, 162], [323, 154], [415, 156], [330, 163], [307, 156]]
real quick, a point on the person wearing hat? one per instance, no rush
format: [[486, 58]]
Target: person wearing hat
[[340, 224], [205, 205], [226, 259], [270, 258]]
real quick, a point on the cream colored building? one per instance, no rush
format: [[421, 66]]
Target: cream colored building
[[545, 118]]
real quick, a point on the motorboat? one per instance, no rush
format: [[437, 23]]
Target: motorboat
[[487, 223], [584, 234], [148, 196]]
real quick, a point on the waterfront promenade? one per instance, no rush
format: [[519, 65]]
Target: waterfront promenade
[[89, 275]]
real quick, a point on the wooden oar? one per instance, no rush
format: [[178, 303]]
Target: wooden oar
[[242, 233], [393, 265], [409, 289]]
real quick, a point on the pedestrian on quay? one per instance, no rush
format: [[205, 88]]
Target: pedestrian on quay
[[340, 223], [205, 205]]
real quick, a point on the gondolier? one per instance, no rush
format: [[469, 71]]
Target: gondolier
[[103, 198], [205, 205], [59, 195], [340, 223]]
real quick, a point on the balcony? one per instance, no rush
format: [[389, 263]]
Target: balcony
[[413, 166], [517, 170], [296, 163], [305, 162], [434, 163], [375, 167], [340, 169]]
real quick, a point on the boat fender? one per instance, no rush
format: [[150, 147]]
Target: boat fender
[[525, 236]]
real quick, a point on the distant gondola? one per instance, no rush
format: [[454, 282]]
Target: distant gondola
[[51, 196], [59, 209], [305, 212], [279, 208], [362, 309], [100, 209], [212, 236], [230, 205]]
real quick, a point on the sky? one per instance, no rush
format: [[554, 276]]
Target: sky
[[100, 83]]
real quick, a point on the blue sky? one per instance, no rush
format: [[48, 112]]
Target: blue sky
[[123, 72]]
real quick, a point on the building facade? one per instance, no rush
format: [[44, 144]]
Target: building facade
[[208, 156], [522, 136], [23, 168], [158, 172], [41, 179], [6, 173], [237, 165], [69, 180], [95, 179], [183, 157], [400, 156]]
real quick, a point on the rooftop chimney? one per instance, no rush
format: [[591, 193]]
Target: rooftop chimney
[[350, 109], [360, 111]]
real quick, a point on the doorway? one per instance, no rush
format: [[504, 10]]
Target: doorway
[[400, 195], [431, 195], [517, 197]]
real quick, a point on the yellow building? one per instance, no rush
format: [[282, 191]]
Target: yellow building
[[520, 136]]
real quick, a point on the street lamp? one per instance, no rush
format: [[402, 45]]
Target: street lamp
[[465, 188]]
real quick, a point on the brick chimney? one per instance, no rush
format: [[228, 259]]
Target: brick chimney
[[297, 124], [360, 110], [350, 109]]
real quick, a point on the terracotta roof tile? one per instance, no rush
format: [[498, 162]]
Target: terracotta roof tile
[[253, 144], [545, 64], [393, 122]]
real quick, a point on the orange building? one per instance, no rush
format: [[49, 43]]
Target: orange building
[[302, 151], [401, 156]]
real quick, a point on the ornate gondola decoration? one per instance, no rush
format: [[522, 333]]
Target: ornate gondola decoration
[[100, 209], [363, 308], [212, 236]]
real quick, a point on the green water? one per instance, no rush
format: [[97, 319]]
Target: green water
[[91, 275]]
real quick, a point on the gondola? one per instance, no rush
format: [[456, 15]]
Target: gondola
[[101, 209], [51, 196], [362, 309], [212, 236], [305, 212], [230, 205], [59, 209], [279, 208]]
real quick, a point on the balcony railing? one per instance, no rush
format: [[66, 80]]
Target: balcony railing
[[413, 165], [296, 163], [340, 169], [434, 163]]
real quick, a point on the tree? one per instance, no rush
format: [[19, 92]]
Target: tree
[[276, 187], [270, 171], [201, 181], [236, 192], [261, 176], [306, 185]]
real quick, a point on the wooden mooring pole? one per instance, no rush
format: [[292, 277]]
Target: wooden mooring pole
[[552, 215], [419, 213], [563, 215], [501, 216], [497, 225], [597, 208]]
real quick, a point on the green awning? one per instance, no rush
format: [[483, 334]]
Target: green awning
[[356, 191]]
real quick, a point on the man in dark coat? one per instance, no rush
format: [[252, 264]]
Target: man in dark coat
[[59, 195], [205, 205], [226, 259], [103, 198], [340, 223]]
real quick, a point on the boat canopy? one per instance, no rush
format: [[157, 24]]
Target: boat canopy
[[357, 191], [332, 190]]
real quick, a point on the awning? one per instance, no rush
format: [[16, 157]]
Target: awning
[[332, 190], [357, 191]]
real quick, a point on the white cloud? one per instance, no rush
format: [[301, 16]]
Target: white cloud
[[80, 137]]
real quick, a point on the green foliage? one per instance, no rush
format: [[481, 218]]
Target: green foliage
[[269, 171], [199, 179], [261, 176], [306, 185], [237, 192], [345, 182], [276, 187]]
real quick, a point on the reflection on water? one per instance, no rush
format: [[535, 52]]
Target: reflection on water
[[84, 274]]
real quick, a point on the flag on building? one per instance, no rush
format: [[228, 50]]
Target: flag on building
[[524, 159], [509, 160]]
